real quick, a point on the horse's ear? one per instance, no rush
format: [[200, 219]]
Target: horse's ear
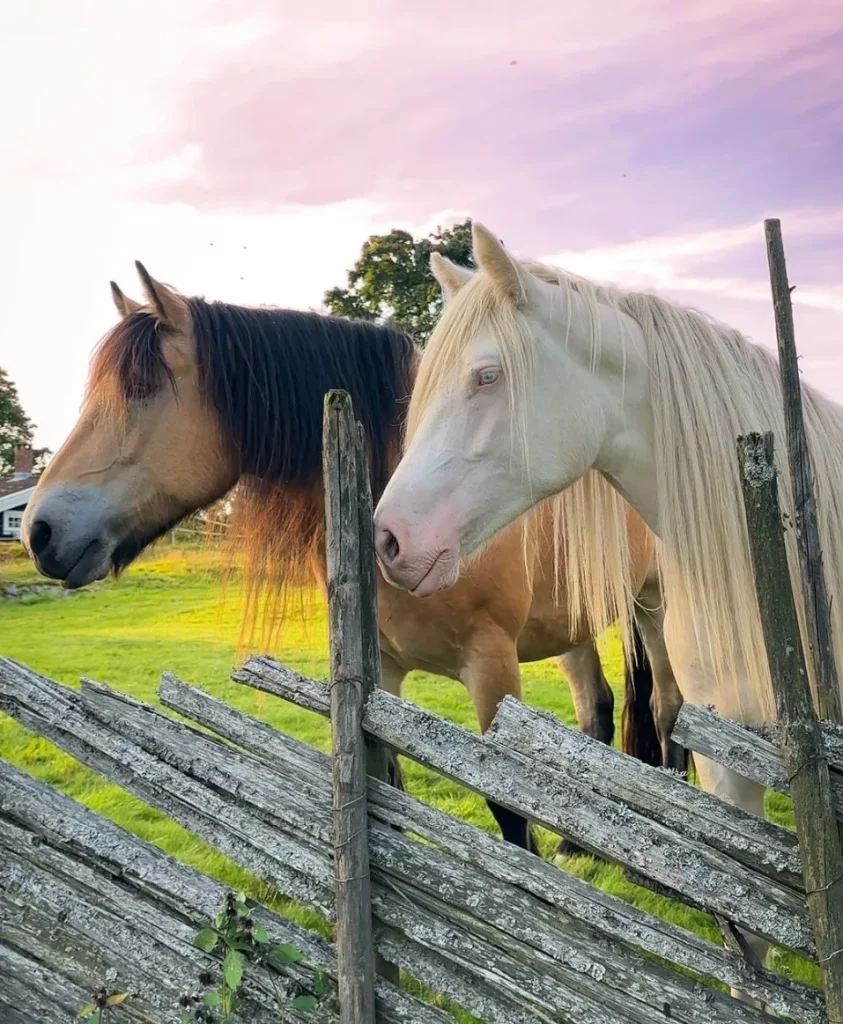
[[451, 276], [167, 305], [125, 305], [491, 257]]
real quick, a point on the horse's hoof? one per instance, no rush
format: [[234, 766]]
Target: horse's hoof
[[756, 1004], [394, 775], [567, 848]]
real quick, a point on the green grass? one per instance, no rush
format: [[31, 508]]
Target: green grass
[[166, 614]]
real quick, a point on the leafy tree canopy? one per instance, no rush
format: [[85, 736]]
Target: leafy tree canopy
[[16, 428], [391, 281]]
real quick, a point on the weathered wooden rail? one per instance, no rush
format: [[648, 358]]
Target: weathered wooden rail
[[753, 753], [497, 930], [86, 905]]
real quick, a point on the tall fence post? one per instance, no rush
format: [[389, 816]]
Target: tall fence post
[[377, 765], [376, 752], [799, 736], [817, 607], [351, 679]]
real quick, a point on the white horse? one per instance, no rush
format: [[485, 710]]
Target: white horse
[[534, 377]]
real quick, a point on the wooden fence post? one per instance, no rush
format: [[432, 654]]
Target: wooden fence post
[[351, 657], [376, 753], [817, 608], [799, 735]]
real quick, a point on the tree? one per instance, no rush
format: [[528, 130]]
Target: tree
[[16, 428], [391, 281]]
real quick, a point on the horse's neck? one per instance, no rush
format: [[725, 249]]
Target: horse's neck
[[627, 463], [627, 457]]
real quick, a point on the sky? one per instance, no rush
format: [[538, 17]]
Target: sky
[[245, 150]]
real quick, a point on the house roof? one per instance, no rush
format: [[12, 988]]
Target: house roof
[[11, 485], [16, 491]]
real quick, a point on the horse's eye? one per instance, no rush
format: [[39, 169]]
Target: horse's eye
[[487, 377]]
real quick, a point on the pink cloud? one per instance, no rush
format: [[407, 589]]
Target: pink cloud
[[421, 105]]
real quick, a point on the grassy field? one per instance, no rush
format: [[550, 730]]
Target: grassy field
[[167, 614]]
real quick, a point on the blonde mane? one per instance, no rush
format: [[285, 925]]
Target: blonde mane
[[709, 384]]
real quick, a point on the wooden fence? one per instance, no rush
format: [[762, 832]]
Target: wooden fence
[[510, 938], [86, 907], [500, 932]]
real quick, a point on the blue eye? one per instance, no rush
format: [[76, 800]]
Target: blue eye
[[487, 377]]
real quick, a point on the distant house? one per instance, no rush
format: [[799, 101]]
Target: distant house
[[15, 492]]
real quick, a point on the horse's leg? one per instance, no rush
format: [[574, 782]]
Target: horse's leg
[[392, 677], [594, 701], [666, 699], [640, 735], [490, 674], [594, 705]]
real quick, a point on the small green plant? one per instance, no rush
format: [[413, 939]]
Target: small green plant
[[239, 938], [96, 1012]]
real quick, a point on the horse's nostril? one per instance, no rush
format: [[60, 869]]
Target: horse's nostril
[[391, 547], [39, 537]]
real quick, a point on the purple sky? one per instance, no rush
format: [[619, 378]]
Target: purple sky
[[642, 142]]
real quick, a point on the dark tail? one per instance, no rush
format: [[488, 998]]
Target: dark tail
[[640, 737]]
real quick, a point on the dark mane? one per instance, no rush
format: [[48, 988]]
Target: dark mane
[[265, 373]]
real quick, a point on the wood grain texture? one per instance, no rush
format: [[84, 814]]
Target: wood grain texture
[[816, 603], [662, 796], [503, 861], [468, 927], [751, 752], [95, 906], [703, 874], [352, 666], [799, 736]]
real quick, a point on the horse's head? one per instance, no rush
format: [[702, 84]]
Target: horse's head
[[188, 398], [524, 386], [147, 449]]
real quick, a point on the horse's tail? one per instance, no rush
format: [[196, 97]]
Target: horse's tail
[[640, 736]]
